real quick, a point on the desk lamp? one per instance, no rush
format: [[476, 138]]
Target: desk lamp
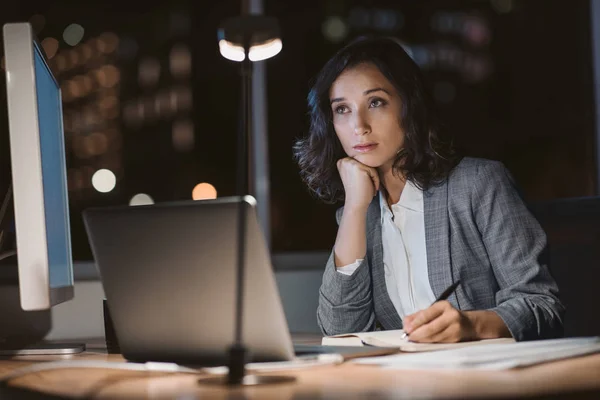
[[245, 39]]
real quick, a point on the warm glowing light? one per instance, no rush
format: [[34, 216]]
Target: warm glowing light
[[104, 180], [50, 46], [108, 42], [265, 50], [108, 76], [231, 51], [204, 191], [141, 199]]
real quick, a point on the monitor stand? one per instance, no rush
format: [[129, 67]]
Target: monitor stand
[[26, 330], [42, 349]]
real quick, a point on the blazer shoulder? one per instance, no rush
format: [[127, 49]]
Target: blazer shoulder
[[470, 169]]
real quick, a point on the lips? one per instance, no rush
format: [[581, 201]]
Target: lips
[[365, 147]]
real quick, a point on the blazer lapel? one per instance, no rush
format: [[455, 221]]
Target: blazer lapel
[[386, 312], [437, 238]]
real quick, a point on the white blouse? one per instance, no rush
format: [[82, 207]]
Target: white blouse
[[404, 252]]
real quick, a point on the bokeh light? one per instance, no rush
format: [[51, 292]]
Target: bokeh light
[[180, 61], [335, 29], [73, 34], [204, 191], [104, 180], [50, 46], [107, 42], [108, 76], [141, 199]]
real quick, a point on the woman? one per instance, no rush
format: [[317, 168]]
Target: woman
[[416, 217]]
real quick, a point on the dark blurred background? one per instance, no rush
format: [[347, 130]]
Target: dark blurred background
[[148, 99]]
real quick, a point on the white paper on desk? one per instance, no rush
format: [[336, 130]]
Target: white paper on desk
[[492, 356]]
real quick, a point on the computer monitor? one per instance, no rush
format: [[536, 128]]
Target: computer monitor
[[38, 165], [38, 173], [38, 188]]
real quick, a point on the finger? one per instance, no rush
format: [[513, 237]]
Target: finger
[[376, 180], [374, 177], [429, 314], [409, 320], [341, 162], [373, 174], [427, 333], [448, 335]]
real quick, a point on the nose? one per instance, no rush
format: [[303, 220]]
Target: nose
[[361, 124]]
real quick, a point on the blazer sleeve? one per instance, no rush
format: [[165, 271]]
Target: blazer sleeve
[[527, 299], [345, 301]]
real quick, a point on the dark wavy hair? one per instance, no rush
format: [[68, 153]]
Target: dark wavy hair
[[424, 159]]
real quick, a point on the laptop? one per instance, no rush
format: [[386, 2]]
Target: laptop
[[169, 277]]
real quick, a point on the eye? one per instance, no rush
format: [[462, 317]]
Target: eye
[[341, 109], [377, 103]]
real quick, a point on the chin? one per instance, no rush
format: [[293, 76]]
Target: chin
[[369, 160]]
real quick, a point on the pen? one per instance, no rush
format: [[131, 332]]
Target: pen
[[445, 294]]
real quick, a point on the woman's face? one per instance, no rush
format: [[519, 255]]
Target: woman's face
[[366, 115]]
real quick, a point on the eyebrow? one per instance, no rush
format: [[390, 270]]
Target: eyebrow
[[366, 92]]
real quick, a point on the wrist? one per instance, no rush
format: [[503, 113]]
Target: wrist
[[487, 325], [357, 209]]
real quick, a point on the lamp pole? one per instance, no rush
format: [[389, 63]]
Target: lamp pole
[[245, 39], [238, 352]]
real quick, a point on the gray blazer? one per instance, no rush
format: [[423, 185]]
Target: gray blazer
[[478, 230]]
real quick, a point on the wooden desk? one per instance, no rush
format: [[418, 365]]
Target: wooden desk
[[577, 378]]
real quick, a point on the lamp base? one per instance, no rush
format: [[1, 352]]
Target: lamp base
[[247, 380]]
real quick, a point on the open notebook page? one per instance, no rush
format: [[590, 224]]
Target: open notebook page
[[393, 338]]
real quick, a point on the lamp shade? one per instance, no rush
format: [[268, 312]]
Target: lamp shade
[[258, 34]]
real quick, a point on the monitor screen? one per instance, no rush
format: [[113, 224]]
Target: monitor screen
[[49, 108]]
